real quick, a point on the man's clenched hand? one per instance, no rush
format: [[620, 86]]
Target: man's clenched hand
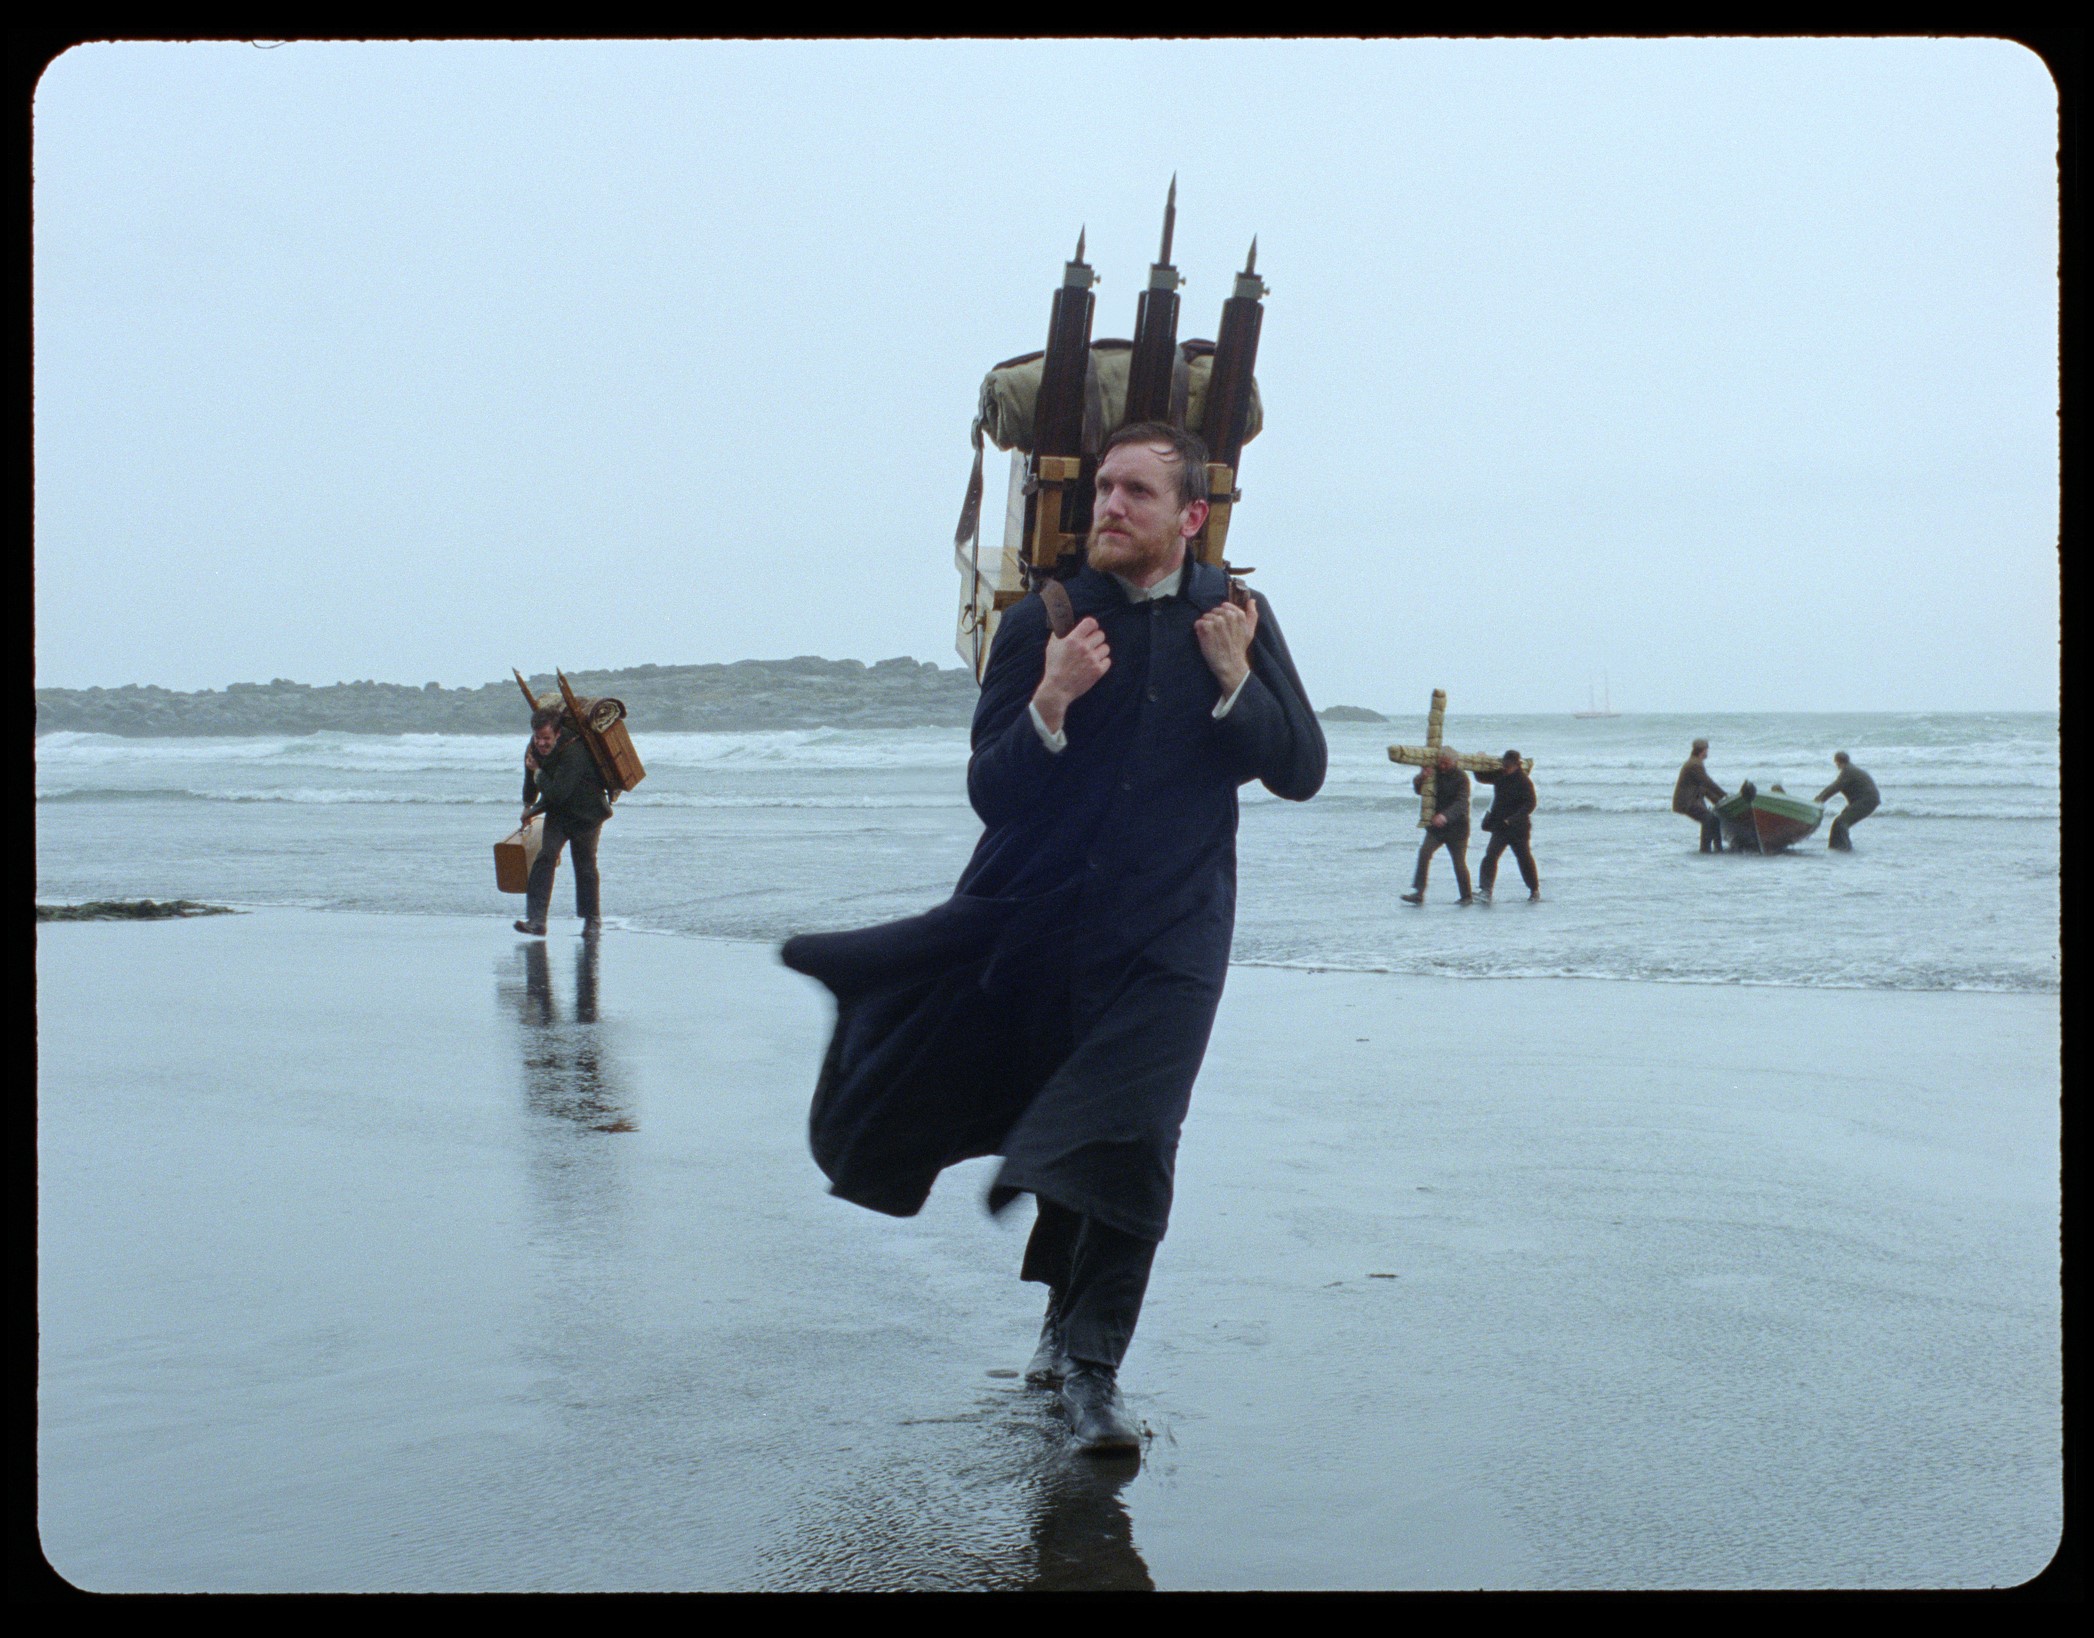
[[1074, 665], [1225, 632]]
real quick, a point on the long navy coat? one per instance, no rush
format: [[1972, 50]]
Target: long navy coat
[[1055, 1010]]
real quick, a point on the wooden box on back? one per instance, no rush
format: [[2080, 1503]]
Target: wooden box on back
[[619, 752]]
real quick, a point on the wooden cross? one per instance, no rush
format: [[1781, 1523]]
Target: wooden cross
[[1427, 756]]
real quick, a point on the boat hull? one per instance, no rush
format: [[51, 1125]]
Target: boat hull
[[1764, 822]]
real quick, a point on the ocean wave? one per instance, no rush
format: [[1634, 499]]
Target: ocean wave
[[332, 752], [1391, 777], [843, 749], [351, 797], [1645, 806], [1920, 979], [659, 795], [306, 796]]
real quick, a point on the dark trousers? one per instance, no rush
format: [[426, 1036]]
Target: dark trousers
[[1095, 1276], [1711, 826], [1455, 839], [588, 888], [1516, 839], [1850, 816]]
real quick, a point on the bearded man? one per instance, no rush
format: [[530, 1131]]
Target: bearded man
[[1056, 1009]]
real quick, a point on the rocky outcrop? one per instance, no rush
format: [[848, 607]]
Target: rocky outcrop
[[1350, 713], [748, 695], [130, 910]]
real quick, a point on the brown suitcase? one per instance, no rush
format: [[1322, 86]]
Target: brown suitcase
[[515, 854]]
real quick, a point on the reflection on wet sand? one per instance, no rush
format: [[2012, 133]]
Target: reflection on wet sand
[[992, 1499], [1081, 1534], [565, 1067], [575, 1090]]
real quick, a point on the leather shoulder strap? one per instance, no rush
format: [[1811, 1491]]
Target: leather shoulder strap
[[1059, 614]]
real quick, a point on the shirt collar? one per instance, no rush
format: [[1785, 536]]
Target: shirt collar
[[1166, 587]]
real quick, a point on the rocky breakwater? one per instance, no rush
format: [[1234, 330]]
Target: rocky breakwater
[[746, 696]]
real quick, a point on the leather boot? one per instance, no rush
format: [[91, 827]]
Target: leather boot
[[532, 929], [1050, 1361], [1097, 1416]]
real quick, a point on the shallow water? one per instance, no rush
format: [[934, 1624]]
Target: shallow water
[[1953, 883]]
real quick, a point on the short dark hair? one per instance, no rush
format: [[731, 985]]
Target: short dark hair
[[1701, 745], [547, 716], [1840, 757], [1186, 446], [1510, 756]]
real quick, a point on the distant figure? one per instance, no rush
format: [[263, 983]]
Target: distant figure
[[1859, 790], [1509, 822], [561, 781], [1692, 793], [1449, 827]]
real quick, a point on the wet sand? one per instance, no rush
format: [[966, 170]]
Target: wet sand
[[398, 1253]]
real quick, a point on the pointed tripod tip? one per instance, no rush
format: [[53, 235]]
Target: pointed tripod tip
[[1079, 241], [1250, 262]]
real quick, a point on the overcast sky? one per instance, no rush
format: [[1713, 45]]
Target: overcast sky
[[1726, 370]]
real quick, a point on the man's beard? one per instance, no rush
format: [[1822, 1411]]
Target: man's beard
[[1132, 557]]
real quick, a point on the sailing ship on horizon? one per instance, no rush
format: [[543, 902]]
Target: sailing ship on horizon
[[1606, 707]]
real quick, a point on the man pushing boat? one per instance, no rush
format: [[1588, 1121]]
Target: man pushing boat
[[1862, 800], [1692, 793]]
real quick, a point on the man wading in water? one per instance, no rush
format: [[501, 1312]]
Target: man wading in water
[[1862, 800], [1692, 793], [1055, 1010], [1449, 827]]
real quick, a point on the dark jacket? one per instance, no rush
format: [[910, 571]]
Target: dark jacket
[[1512, 801], [568, 786], [1056, 1009], [1857, 787], [1450, 794], [1692, 785]]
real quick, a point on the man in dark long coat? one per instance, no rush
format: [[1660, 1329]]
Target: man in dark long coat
[[1055, 1010]]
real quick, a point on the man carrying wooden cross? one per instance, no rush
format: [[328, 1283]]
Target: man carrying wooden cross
[[1509, 821], [1449, 825]]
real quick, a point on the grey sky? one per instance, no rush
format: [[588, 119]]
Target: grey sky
[[1728, 368]]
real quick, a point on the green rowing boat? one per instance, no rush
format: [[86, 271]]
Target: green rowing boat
[[1756, 821]]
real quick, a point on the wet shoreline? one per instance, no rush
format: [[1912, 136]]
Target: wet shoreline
[[387, 1252]]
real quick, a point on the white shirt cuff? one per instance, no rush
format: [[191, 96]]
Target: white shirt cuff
[[1055, 742], [1222, 709]]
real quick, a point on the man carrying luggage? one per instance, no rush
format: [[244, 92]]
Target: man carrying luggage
[[1055, 1010], [561, 781]]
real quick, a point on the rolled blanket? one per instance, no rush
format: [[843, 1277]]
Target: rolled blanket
[[599, 714]]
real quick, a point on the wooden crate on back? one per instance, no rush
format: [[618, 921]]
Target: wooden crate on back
[[612, 747]]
